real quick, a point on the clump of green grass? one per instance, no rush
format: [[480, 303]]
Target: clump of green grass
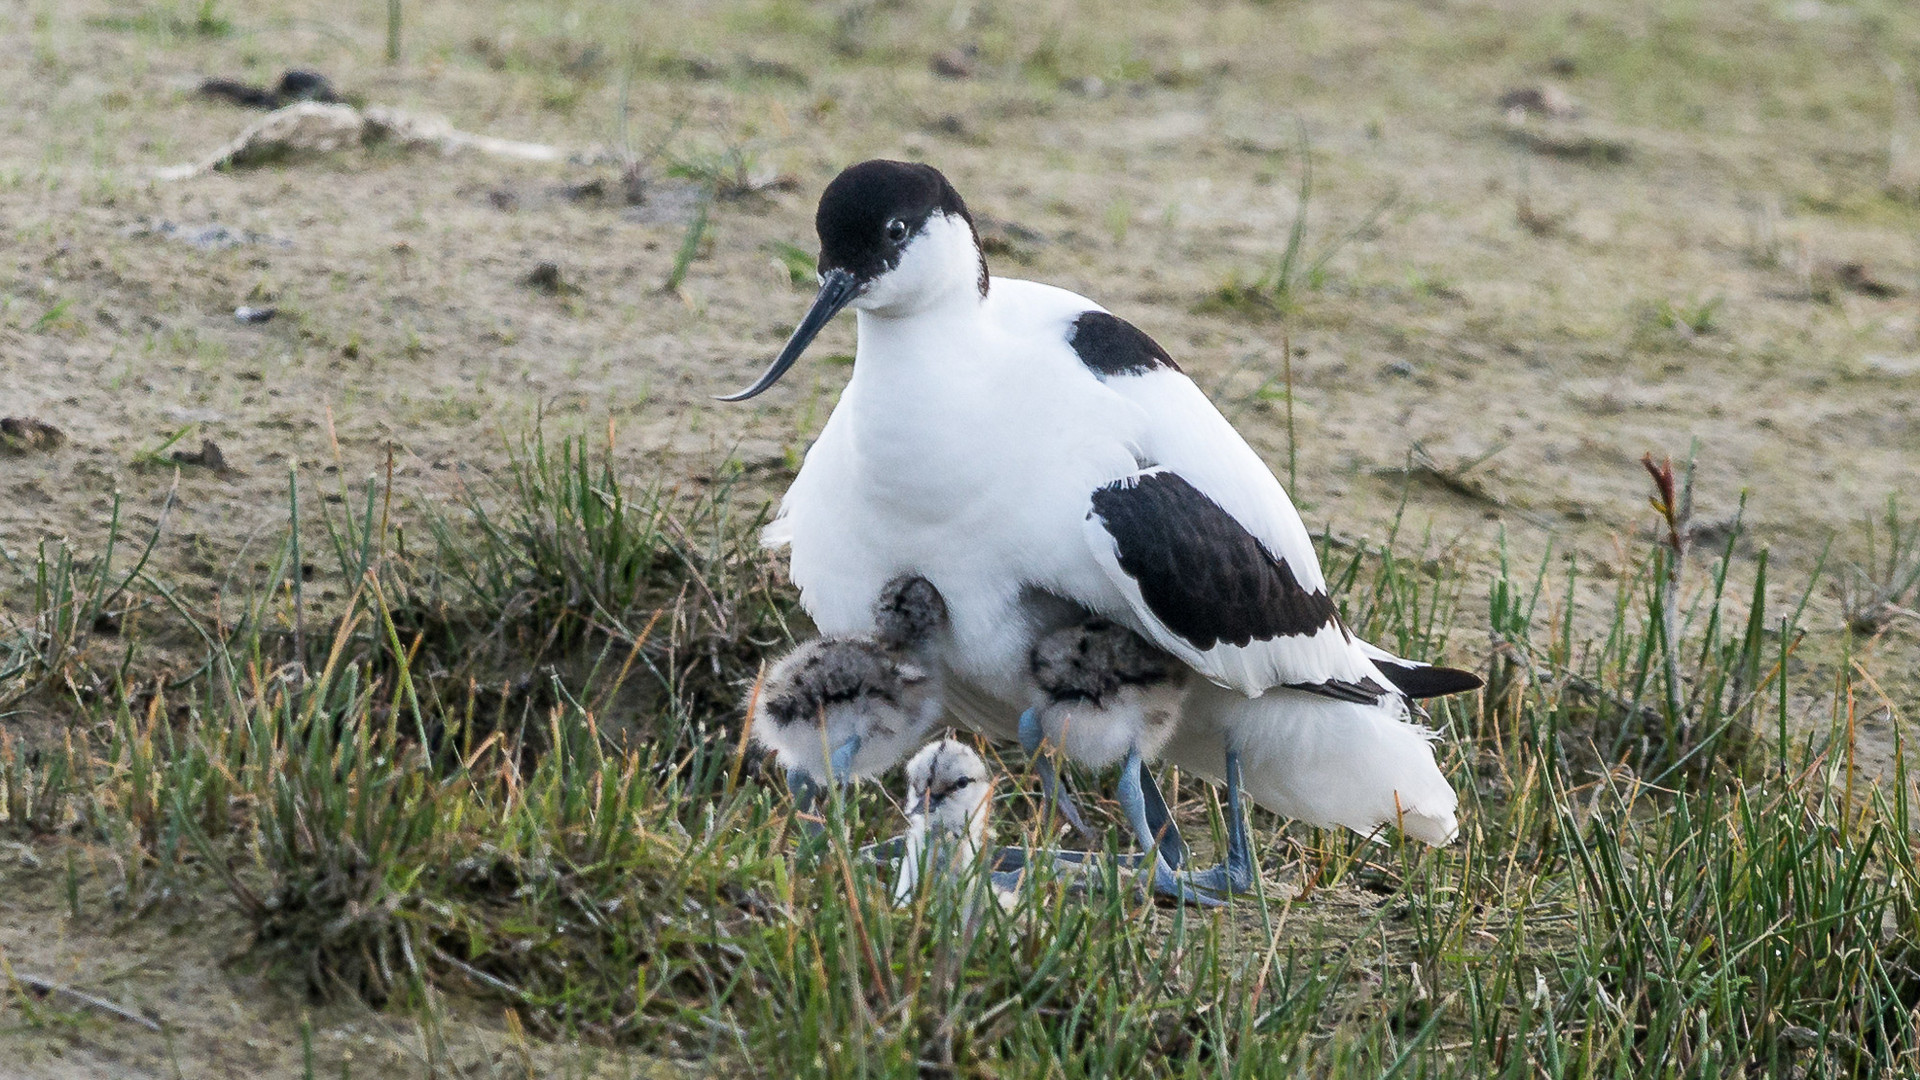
[[38, 784], [72, 601], [559, 557], [1689, 318], [1877, 589], [574, 888], [1635, 892], [1773, 928]]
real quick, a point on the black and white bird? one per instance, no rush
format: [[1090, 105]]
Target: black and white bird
[[1037, 458], [852, 706], [949, 798]]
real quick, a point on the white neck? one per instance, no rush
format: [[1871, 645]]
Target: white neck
[[921, 389]]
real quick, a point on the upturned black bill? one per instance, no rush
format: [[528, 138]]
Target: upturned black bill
[[837, 290]]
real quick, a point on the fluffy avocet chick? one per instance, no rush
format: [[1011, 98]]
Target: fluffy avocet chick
[[841, 708], [1104, 692], [949, 796], [1101, 693]]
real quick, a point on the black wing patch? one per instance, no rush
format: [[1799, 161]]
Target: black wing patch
[[1201, 572], [1425, 681], [1111, 346]]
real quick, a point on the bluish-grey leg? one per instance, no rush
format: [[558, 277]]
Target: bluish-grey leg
[[1236, 873], [1160, 819], [809, 796], [1133, 801], [806, 799], [1030, 733], [1005, 879], [1057, 794], [842, 759], [1014, 859], [1009, 859]]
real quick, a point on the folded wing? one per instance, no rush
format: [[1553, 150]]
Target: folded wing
[[1210, 592], [1210, 551]]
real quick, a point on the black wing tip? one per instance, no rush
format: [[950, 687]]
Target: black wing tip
[[1424, 681]]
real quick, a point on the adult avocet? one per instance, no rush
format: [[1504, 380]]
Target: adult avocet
[[1038, 458]]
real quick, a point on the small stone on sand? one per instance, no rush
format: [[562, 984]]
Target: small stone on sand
[[26, 435]]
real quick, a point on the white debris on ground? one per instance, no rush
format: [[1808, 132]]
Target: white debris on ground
[[313, 128], [414, 130]]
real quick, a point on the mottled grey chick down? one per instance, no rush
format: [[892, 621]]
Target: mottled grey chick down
[[831, 672], [875, 688], [909, 612], [1095, 659], [1103, 689]]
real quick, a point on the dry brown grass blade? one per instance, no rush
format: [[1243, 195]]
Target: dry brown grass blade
[[41, 985]]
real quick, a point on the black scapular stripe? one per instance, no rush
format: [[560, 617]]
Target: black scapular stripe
[[1201, 572], [1111, 346], [1423, 681]]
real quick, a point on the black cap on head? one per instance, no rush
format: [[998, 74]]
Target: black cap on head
[[867, 217], [873, 210]]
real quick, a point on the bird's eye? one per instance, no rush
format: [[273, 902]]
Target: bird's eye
[[896, 230], [940, 794]]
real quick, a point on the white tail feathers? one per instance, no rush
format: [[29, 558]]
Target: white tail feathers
[[1329, 762]]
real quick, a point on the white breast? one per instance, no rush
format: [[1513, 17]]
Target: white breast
[[965, 449]]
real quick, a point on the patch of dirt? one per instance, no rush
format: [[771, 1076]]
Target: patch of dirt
[[173, 994]]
